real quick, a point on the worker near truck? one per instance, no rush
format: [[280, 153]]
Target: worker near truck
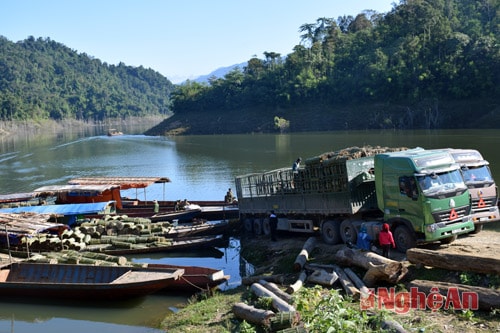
[[273, 224], [386, 240], [364, 240]]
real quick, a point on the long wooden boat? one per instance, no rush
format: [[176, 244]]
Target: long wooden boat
[[194, 229], [182, 216], [173, 244], [194, 279], [99, 283]]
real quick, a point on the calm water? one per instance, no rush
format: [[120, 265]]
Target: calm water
[[201, 168]]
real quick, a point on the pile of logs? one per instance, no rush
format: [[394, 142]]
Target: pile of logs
[[118, 231], [379, 269]]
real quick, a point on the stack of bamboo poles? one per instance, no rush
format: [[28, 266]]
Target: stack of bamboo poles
[[117, 232]]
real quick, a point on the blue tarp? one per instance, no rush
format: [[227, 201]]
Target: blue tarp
[[64, 209]]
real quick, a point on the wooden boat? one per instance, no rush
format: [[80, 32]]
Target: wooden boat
[[194, 229], [114, 132], [122, 248], [194, 279], [99, 283], [182, 216]]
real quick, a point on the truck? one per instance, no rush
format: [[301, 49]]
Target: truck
[[419, 193], [482, 188]]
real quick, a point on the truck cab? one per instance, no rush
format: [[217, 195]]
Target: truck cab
[[422, 196], [482, 188]]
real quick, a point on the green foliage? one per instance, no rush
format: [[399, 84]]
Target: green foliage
[[420, 53], [327, 311], [281, 124], [42, 79]]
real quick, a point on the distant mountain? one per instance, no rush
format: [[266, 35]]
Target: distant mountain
[[219, 72]]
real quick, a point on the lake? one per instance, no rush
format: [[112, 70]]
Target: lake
[[201, 168]]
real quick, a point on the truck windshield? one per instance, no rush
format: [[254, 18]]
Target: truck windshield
[[479, 175], [439, 183]]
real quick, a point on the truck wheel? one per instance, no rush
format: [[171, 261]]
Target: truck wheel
[[266, 227], [248, 224], [330, 232], [348, 232], [477, 228], [404, 238], [257, 227], [448, 240]]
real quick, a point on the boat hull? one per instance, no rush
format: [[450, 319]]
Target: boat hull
[[85, 282]]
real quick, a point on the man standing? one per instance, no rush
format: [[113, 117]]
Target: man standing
[[273, 223]]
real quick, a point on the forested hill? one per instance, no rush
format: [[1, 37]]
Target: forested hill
[[43, 79], [424, 64]]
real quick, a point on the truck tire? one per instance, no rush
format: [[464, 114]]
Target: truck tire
[[248, 224], [348, 232], [477, 228], [448, 240], [404, 238], [330, 232], [257, 227], [266, 227]]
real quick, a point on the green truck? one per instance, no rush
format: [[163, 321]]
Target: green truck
[[419, 193], [482, 188]]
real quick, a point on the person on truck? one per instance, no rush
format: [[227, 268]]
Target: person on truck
[[296, 165], [386, 240]]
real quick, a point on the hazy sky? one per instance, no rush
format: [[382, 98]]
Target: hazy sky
[[179, 38]]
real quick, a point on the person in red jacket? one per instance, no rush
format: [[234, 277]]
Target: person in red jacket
[[385, 240]]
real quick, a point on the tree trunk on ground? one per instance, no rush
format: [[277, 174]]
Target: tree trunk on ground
[[346, 283], [378, 268], [277, 302], [249, 280], [322, 277], [303, 256], [293, 288], [487, 298], [252, 314], [357, 281], [277, 291], [453, 261]]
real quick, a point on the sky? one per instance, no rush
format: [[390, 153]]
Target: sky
[[181, 39]]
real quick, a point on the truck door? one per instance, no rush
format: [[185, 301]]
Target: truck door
[[408, 203]]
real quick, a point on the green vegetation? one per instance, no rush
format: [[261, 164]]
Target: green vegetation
[[41, 79], [426, 64]]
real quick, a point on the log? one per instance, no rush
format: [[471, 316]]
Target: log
[[277, 302], [391, 273], [276, 290], [454, 261], [322, 277], [378, 268], [357, 281], [249, 280], [487, 299], [303, 256], [252, 314], [346, 283], [298, 284]]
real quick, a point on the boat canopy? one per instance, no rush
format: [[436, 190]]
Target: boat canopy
[[66, 209], [16, 197], [71, 194], [125, 183], [27, 223], [88, 190]]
